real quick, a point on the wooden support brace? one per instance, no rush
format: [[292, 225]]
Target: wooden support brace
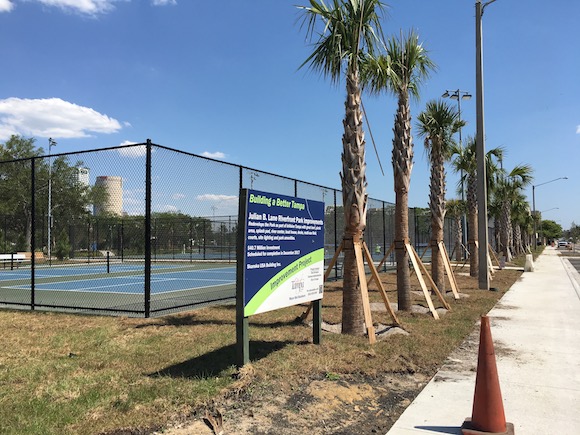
[[382, 291], [450, 275], [364, 291], [386, 255], [435, 288], [424, 252], [410, 251]]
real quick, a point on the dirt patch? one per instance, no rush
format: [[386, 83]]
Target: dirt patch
[[345, 406]]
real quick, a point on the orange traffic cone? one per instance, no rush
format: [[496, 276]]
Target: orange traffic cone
[[487, 416]]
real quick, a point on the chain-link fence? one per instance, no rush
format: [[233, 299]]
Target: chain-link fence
[[146, 230]]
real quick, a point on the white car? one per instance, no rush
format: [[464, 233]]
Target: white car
[[562, 244]]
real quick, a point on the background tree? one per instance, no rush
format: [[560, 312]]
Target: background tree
[[69, 197], [519, 216], [62, 246], [437, 124], [551, 230], [350, 30], [15, 198], [508, 188], [573, 233], [465, 162], [400, 72]]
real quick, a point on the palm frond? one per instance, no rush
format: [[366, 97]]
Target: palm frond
[[345, 32], [437, 124]]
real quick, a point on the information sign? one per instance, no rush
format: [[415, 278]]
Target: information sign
[[283, 253]]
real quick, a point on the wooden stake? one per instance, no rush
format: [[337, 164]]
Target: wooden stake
[[493, 254], [424, 252], [386, 255], [382, 291], [364, 291], [435, 288], [410, 251], [361, 251], [450, 275]]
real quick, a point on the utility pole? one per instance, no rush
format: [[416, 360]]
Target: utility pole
[[482, 226]]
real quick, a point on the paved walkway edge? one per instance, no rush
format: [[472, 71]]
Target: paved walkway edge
[[536, 333]]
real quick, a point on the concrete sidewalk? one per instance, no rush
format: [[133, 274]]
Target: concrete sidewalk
[[536, 333]]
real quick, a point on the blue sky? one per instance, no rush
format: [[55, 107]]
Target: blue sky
[[222, 79]]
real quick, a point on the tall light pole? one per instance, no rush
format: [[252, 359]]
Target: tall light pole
[[459, 95], [51, 143], [480, 152], [534, 205]]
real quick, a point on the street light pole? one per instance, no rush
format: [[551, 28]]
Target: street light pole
[[459, 95], [482, 231], [534, 205], [51, 143]]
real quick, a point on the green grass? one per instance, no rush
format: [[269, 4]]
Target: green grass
[[72, 374]]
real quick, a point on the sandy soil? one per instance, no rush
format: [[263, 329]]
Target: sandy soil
[[322, 406]]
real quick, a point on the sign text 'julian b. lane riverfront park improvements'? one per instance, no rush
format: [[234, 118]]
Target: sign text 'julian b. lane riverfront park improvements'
[[281, 257]]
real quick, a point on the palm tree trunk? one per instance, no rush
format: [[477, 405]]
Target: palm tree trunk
[[505, 230], [472, 236], [354, 199], [518, 245], [402, 166], [437, 206]]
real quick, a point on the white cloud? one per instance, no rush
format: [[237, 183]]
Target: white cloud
[[52, 117], [216, 155], [132, 151], [163, 2], [83, 7], [87, 7], [216, 198], [6, 5], [578, 129], [178, 196]]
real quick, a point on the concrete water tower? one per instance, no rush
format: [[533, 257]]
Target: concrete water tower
[[113, 187]]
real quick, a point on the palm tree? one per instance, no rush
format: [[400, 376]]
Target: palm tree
[[455, 209], [437, 124], [350, 31], [465, 161], [521, 216], [400, 71], [509, 186]]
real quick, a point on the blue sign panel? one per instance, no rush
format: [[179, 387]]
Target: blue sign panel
[[283, 252]]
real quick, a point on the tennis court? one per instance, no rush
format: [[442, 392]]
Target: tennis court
[[119, 286]]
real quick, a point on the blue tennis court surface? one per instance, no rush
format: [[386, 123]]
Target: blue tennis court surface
[[74, 270], [161, 281]]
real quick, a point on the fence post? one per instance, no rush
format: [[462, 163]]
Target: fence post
[[384, 235], [148, 230], [122, 240], [32, 230]]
